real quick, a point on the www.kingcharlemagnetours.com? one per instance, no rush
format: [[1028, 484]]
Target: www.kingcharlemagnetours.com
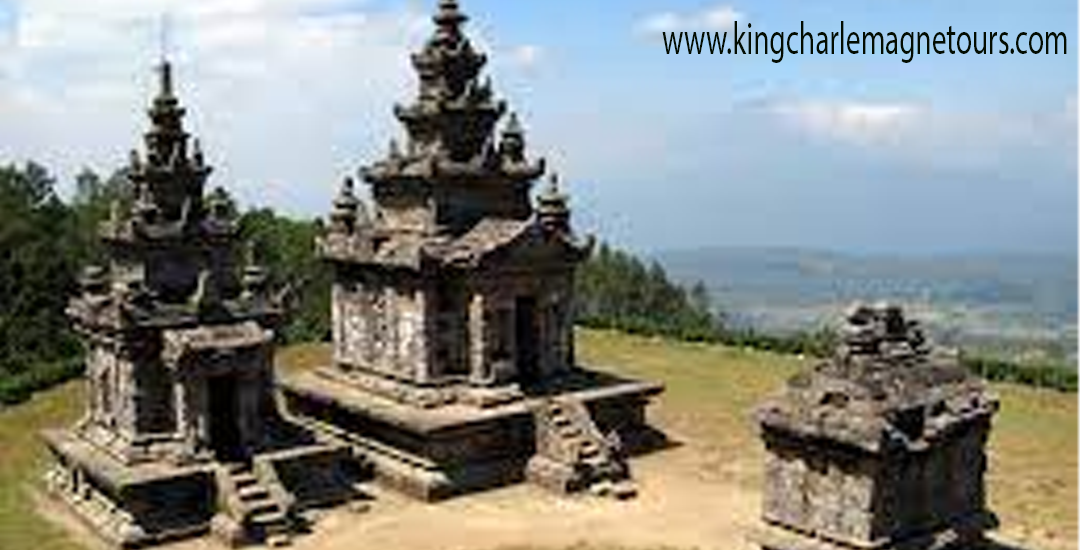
[[910, 44]]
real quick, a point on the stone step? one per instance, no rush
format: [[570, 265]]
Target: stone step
[[570, 432], [277, 540], [262, 505], [253, 492], [561, 421], [624, 489], [601, 488], [274, 519], [595, 462], [589, 449], [244, 479]]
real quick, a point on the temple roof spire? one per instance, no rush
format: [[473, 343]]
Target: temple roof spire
[[449, 18], [165, 88], [170, 173]]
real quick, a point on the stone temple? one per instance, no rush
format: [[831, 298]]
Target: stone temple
[[453, 364], [882, 446], [182, 433]]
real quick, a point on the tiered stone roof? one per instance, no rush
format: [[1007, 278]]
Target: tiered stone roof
[[885, 387]]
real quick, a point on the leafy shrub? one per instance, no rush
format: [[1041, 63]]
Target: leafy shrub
[[1058, 377], [18, 388]]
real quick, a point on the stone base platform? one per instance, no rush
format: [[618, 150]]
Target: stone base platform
[[438, 452], [154, 502], [967, 533], [129, 506]]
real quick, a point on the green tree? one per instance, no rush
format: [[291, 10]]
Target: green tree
[[286, 247], [39, 254]]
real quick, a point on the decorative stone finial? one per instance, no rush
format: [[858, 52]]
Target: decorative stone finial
[[513, 125], [254, 281], [449, 17], [553, 185], [94, 280], [512, 142], [880, 332], [220, 204], [344, 216], [552, 210], [197, 153], [115, 214]]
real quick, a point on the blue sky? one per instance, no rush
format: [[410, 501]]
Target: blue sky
[[853, 153]]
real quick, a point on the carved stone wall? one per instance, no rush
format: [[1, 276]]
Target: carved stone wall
[[403, 209], [826, 491], [461, 207], [497, 296], [380, 328]]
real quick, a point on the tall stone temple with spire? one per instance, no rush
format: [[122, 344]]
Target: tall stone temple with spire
[[453, 357], [182, 433]]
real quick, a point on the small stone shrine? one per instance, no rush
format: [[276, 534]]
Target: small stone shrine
[[881, 446], [452, 306], [182, 432]]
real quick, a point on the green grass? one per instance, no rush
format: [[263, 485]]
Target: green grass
[[22, 460], [710, 393], [711, 390]]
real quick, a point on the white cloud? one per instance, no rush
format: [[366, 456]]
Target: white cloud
[[716, 18], [287, 95], [285, 91], [927, 135], [856, 121], [525, 56]]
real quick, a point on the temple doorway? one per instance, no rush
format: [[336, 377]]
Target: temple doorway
[[223, 417], [526, 339]]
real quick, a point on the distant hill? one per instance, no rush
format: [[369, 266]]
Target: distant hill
[[1016, 304]]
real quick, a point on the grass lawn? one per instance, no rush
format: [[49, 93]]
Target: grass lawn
[[22, 459], [710, 392]]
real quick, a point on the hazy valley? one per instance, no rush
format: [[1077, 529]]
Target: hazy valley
[[1014, 304]]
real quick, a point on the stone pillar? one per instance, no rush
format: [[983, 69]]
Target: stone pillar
[[180, 408], [479, 371], [122, 392], [338, 316]]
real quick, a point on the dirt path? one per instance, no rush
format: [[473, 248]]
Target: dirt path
[[672, 510], [681, 504], [675, 508]]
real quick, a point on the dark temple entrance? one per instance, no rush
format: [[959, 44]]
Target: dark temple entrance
[[224, 418], [526, 340]]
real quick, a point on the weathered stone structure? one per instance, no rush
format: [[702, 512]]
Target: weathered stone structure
[[881, 446], [182, 432], [573, 455], [452, 300]]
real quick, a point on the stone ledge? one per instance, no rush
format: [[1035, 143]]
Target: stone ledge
[[328, 390]]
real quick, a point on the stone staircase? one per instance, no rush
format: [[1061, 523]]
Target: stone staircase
[[260, 516], [572, 455]]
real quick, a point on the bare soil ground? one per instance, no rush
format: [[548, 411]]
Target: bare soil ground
[[678, 506], [702, 492]]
